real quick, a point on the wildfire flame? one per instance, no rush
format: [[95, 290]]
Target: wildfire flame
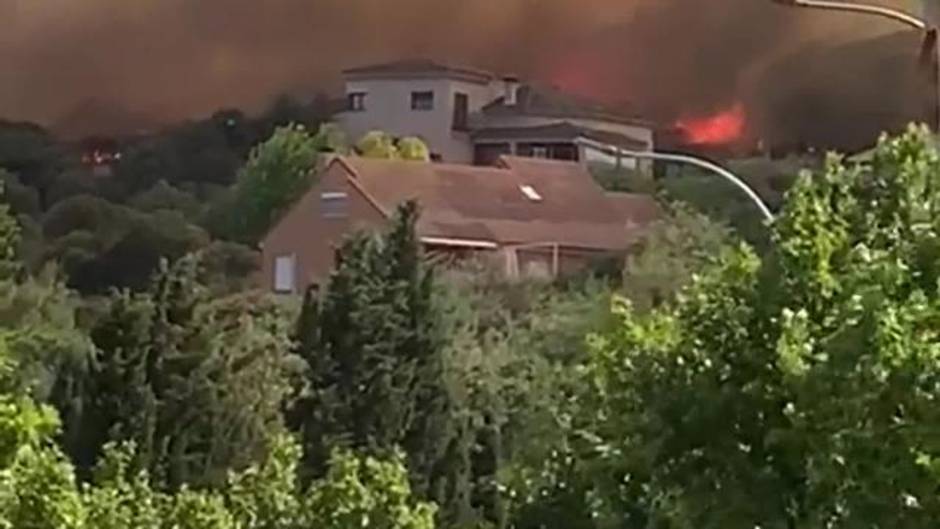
[[724, 127]]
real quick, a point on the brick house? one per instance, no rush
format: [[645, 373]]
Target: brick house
[[525, 216]]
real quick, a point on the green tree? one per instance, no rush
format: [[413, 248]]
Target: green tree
[[794, 392], [374, 346], [277, 173], [366, 492], [411, 148], [669, 253], [197, 384], [379, 144]]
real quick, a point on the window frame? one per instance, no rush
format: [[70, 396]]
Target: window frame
[[357, 96], [416, 96], [460, 120]]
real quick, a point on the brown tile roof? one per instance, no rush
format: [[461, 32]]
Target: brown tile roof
[[537, 100], [418, 68], [561, 130], [486, 203]]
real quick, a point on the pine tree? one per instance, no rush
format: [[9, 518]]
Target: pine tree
[[373, 343]]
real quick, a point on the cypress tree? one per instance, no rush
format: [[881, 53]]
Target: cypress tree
[[373, 342]]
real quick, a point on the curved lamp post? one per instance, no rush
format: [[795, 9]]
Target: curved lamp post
[[897, 15], [713, 168]]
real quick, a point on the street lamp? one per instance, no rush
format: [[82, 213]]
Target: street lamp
[[929, 27], [713, 168]]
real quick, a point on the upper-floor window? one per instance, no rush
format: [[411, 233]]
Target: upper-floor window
[[422, 101], [334, 205], [356, 101], [461, 109]]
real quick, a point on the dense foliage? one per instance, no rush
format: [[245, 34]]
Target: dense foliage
[[143, 384], [792, 392]]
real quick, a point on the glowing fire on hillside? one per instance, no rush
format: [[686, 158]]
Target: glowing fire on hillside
[[727, 126]]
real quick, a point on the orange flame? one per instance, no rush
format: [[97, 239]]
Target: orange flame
[[724, 127]]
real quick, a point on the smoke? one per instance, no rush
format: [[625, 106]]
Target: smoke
[[166, 60]]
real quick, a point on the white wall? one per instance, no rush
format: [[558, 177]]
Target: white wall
[[388, 108]]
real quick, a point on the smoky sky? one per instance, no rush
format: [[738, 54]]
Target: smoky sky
[[166, 60]]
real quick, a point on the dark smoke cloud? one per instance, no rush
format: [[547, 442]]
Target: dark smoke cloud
[[169, 59]]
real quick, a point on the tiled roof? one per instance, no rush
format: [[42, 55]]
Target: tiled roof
[[487, 203], [419, 68], [547, 101], [562, 130]]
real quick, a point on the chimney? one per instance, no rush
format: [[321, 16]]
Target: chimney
[[511, 91]]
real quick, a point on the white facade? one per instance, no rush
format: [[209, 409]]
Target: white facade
[[385, 101], [387, 106]]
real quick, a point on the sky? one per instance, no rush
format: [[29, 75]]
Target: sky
[[167, 60]]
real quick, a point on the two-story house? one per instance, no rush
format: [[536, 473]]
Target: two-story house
[[470, 116]]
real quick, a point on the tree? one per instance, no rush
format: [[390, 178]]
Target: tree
[[163, 196], [669, 253], [38, 324], [37, 487], [512, 355], [411, 148], [32, 154], [278, 172], [794, 392], [196, 384], [373, 344], [378, 144]]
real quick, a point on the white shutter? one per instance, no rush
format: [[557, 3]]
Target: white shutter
[[284, 272]]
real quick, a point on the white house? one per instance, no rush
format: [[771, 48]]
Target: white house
[[470, 116]]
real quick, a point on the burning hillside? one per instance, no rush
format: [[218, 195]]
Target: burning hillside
[[670, 59], [721, 128]]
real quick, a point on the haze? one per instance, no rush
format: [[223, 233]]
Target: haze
[[165, 60]]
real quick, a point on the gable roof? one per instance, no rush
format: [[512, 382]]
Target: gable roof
[[538, 100], [418, 68], [488, 203]]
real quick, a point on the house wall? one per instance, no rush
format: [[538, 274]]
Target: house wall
[[312, 239], [388, 108]]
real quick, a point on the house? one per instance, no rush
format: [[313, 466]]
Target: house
[[526, 216], [471, 116]]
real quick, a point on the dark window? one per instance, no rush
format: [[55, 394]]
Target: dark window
[[553, 151], [422, 100], [461, 108], [356, 101], [489, 153], [334, 205]]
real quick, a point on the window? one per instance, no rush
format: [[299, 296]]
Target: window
[[530, 193], [334, 205], [540, 151], [422, 101], [356, 101], [284, 273], [461, 108]]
